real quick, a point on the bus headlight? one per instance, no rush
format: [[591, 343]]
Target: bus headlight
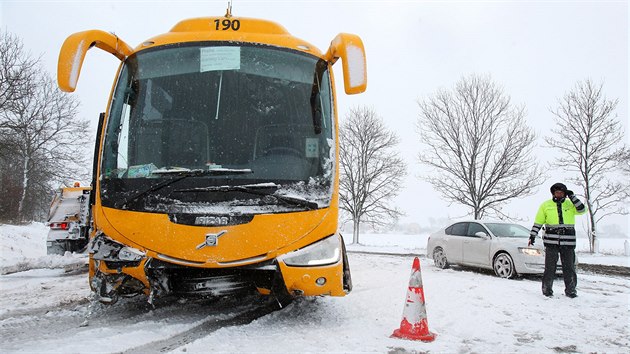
[[324, 252], [130, 254], [104, 248]]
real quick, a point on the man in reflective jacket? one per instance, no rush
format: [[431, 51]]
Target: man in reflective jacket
[[558, 216]]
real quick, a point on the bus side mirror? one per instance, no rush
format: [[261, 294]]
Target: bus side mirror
[[73, 52], [349, 48]]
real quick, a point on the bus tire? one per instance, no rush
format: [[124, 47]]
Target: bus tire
[[347, 277]]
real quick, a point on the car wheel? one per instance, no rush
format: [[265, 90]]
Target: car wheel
[[439, 258], [504, 266]]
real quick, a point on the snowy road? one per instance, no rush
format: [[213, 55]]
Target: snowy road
[[52, 313], [48, 311]]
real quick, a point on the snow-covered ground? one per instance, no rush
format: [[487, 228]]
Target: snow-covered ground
[[47, 310], [24, 247]]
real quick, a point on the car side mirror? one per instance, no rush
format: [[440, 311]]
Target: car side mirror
[[482, 235]]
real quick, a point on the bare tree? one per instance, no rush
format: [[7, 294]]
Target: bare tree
[[625, 164], [479, 146], [41, 139], [17, 69], [371, 170], [590, 139]]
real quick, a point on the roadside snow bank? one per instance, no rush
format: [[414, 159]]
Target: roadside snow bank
[[23, 247]]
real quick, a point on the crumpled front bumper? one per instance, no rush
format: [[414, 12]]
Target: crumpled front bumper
[[118, 270]]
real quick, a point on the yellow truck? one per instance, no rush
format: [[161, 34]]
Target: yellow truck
[[216, 167]]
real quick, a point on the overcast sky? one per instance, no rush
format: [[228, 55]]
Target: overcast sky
[[536, 50]]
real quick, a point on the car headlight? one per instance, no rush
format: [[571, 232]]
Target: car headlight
[[530, 251], [324, 252]]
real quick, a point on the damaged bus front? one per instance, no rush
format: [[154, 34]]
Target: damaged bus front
[[216, 163]]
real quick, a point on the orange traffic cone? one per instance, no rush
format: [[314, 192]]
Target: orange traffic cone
[[414, 324]]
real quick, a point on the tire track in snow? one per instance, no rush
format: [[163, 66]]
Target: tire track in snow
[[41, 311], [74, 319], [18, 331], [203, 329]]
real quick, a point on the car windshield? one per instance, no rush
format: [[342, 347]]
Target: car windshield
[[508, 230], [248, 114]]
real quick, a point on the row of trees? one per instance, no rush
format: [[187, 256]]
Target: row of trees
[[478, 148], [42, 141]]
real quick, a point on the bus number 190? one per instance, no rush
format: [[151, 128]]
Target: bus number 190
[[227, 24]]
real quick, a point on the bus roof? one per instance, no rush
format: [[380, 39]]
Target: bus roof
[[237, 29]]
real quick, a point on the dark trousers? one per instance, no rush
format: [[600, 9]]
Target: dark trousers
[[567, 258]]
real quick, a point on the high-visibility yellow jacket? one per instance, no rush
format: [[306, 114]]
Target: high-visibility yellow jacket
[[559, 221], [548, 213]]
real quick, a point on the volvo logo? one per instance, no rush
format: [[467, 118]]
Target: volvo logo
[[212, 220], [211, 240]]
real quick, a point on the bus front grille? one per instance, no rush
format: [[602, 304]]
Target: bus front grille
[[210, 282]]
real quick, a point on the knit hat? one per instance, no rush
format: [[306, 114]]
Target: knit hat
[[558, 187]]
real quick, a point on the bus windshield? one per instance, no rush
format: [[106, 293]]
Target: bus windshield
[[239, 114]]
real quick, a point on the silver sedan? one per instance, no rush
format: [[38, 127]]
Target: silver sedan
[[487, 244]]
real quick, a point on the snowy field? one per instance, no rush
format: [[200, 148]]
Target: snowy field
[[611, 250], [48, 311]]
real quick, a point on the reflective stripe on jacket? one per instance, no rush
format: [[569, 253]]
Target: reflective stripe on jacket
[[559, 219]]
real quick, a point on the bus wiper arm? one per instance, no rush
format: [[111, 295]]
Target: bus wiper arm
[[211, 172], [178, 174], [257, 189]]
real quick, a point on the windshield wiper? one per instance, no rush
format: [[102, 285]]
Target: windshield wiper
[[257, 189], [211, 172], [178, 175]]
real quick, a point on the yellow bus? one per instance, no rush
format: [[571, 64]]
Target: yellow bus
[[216, 165]]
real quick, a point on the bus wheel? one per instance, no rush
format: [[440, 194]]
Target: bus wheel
[[347, 277]]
